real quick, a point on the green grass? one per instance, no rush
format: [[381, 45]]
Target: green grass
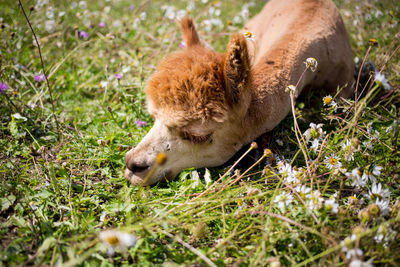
[[61, 187]]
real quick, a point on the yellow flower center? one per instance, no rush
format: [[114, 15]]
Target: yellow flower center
[[239, 202], [112, 240], [248, 35], [333, 161], [314, 133], [327, 100]]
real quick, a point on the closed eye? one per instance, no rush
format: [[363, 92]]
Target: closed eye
[[195, 139]]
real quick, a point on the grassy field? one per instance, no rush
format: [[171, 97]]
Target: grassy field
[[63, 197]]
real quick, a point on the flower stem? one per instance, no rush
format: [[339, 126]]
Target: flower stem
[[44, 71]]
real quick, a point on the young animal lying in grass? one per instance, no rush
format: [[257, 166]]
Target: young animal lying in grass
[[207, 105]]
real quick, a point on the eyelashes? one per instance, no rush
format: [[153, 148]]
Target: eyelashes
[[195, 139]]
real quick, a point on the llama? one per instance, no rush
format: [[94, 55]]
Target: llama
[[207, 105]]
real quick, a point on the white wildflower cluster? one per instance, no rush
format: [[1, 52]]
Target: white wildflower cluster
[[213, 20], [41, 3], [142, 17], [313, 199], [171, 13], [378, 195], [290, 176], [315, 134], [283, 200], [349, 148], [384, 235], [360, 179], [209, 24], [354, 254], [331, 204], [244, 14]]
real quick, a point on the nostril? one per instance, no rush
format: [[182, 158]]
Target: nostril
[[136, 167]]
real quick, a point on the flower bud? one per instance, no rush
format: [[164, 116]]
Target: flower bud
[[161, 158], [254, 145], [267, 152], [374, 210]]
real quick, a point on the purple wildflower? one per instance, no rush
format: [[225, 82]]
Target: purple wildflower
[[131, 7], [3, 87], [83, 34], [140, 123], [118, 76], [102, 24], [182, 45], [39, 78]]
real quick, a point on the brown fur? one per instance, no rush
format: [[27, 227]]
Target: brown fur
[[207, 105]]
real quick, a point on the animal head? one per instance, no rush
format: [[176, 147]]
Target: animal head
[[198, 99]]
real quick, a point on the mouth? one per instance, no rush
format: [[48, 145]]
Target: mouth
[[138, 177]]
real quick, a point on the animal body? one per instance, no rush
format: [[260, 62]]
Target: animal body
[[207, 105]]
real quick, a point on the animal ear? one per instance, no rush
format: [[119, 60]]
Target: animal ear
[[237, 68], [189, 32]]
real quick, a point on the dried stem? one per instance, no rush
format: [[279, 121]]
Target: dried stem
[[359, 74], [296, 125], [225, 174], [44, 71], [191, 248]]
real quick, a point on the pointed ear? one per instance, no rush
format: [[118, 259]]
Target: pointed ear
[[189, 32], [237, 68]]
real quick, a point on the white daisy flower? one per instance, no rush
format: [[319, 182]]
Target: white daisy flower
[[360, 263], [358, 180], [332, 162], [331, 205], [314, 132], [348, 149], [114, 239], [315, 200], [372, 175], [303, 191], [283, 199], [368, 144], [383, 205], [381, 80], [287, 172], [170, 13], [378, 192], [328, 101], [314, 145], [354, 253], [249, 35]]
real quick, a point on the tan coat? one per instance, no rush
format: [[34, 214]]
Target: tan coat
[[207, 105]]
